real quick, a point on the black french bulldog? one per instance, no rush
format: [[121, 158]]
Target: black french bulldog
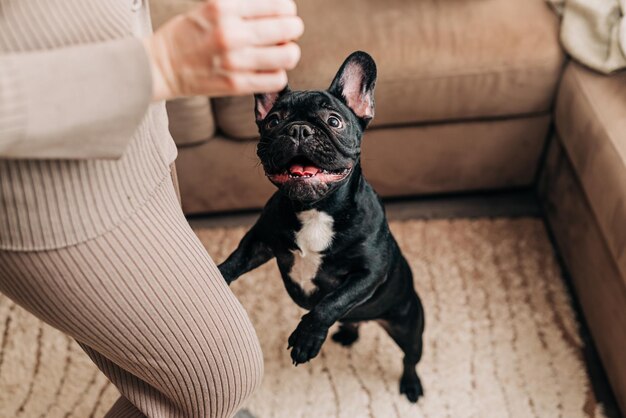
[[325, 225]]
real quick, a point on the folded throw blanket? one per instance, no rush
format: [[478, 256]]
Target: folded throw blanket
[[594, 32]]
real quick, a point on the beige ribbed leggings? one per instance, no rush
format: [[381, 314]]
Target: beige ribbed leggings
[[148, 305]]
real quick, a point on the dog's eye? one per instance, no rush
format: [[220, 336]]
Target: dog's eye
[[334, 122], [272, 122]]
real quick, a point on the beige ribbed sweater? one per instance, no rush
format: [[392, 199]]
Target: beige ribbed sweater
[[80, 145]]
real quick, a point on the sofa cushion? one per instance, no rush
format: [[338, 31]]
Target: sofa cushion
[[437, 59], [591, 122], [190, 120], [478, 155]]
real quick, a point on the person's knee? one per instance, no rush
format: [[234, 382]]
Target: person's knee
[[244, 358], [226, 372]]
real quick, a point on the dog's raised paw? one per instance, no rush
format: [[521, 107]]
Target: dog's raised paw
[[306, 341], [345, 336], [411, 388]]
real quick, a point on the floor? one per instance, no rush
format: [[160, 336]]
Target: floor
[[71, 379], [492, 204]]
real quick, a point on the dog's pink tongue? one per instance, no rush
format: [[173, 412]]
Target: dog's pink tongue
[[296, 170], [300, 170]]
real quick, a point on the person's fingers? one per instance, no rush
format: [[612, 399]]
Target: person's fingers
[[267, 8], [280, 57], [264, 32], [215, 10], [238, 83], [232, 34]]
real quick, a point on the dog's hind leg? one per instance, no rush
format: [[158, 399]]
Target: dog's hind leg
[[406, 330], [347, 333]]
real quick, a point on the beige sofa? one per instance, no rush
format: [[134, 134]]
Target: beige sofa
[[465, 85], [465, 102], [583, 190]]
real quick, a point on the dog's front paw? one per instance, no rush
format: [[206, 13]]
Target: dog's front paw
[[306, 341]]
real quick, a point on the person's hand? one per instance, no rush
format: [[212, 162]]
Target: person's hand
[[225, 47]]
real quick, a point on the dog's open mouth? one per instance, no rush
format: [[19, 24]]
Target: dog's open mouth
[[302, 169]]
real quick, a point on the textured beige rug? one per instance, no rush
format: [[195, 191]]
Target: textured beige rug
[[501, 339]]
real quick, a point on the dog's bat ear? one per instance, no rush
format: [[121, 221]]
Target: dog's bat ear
[[264, 102], [354, 84]]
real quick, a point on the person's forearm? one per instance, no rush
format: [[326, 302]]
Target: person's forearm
[[78, 102]]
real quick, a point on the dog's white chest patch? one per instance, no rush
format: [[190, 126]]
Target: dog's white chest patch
[[314, 237]]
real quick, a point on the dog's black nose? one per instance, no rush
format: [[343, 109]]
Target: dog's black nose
[[299, 132]]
